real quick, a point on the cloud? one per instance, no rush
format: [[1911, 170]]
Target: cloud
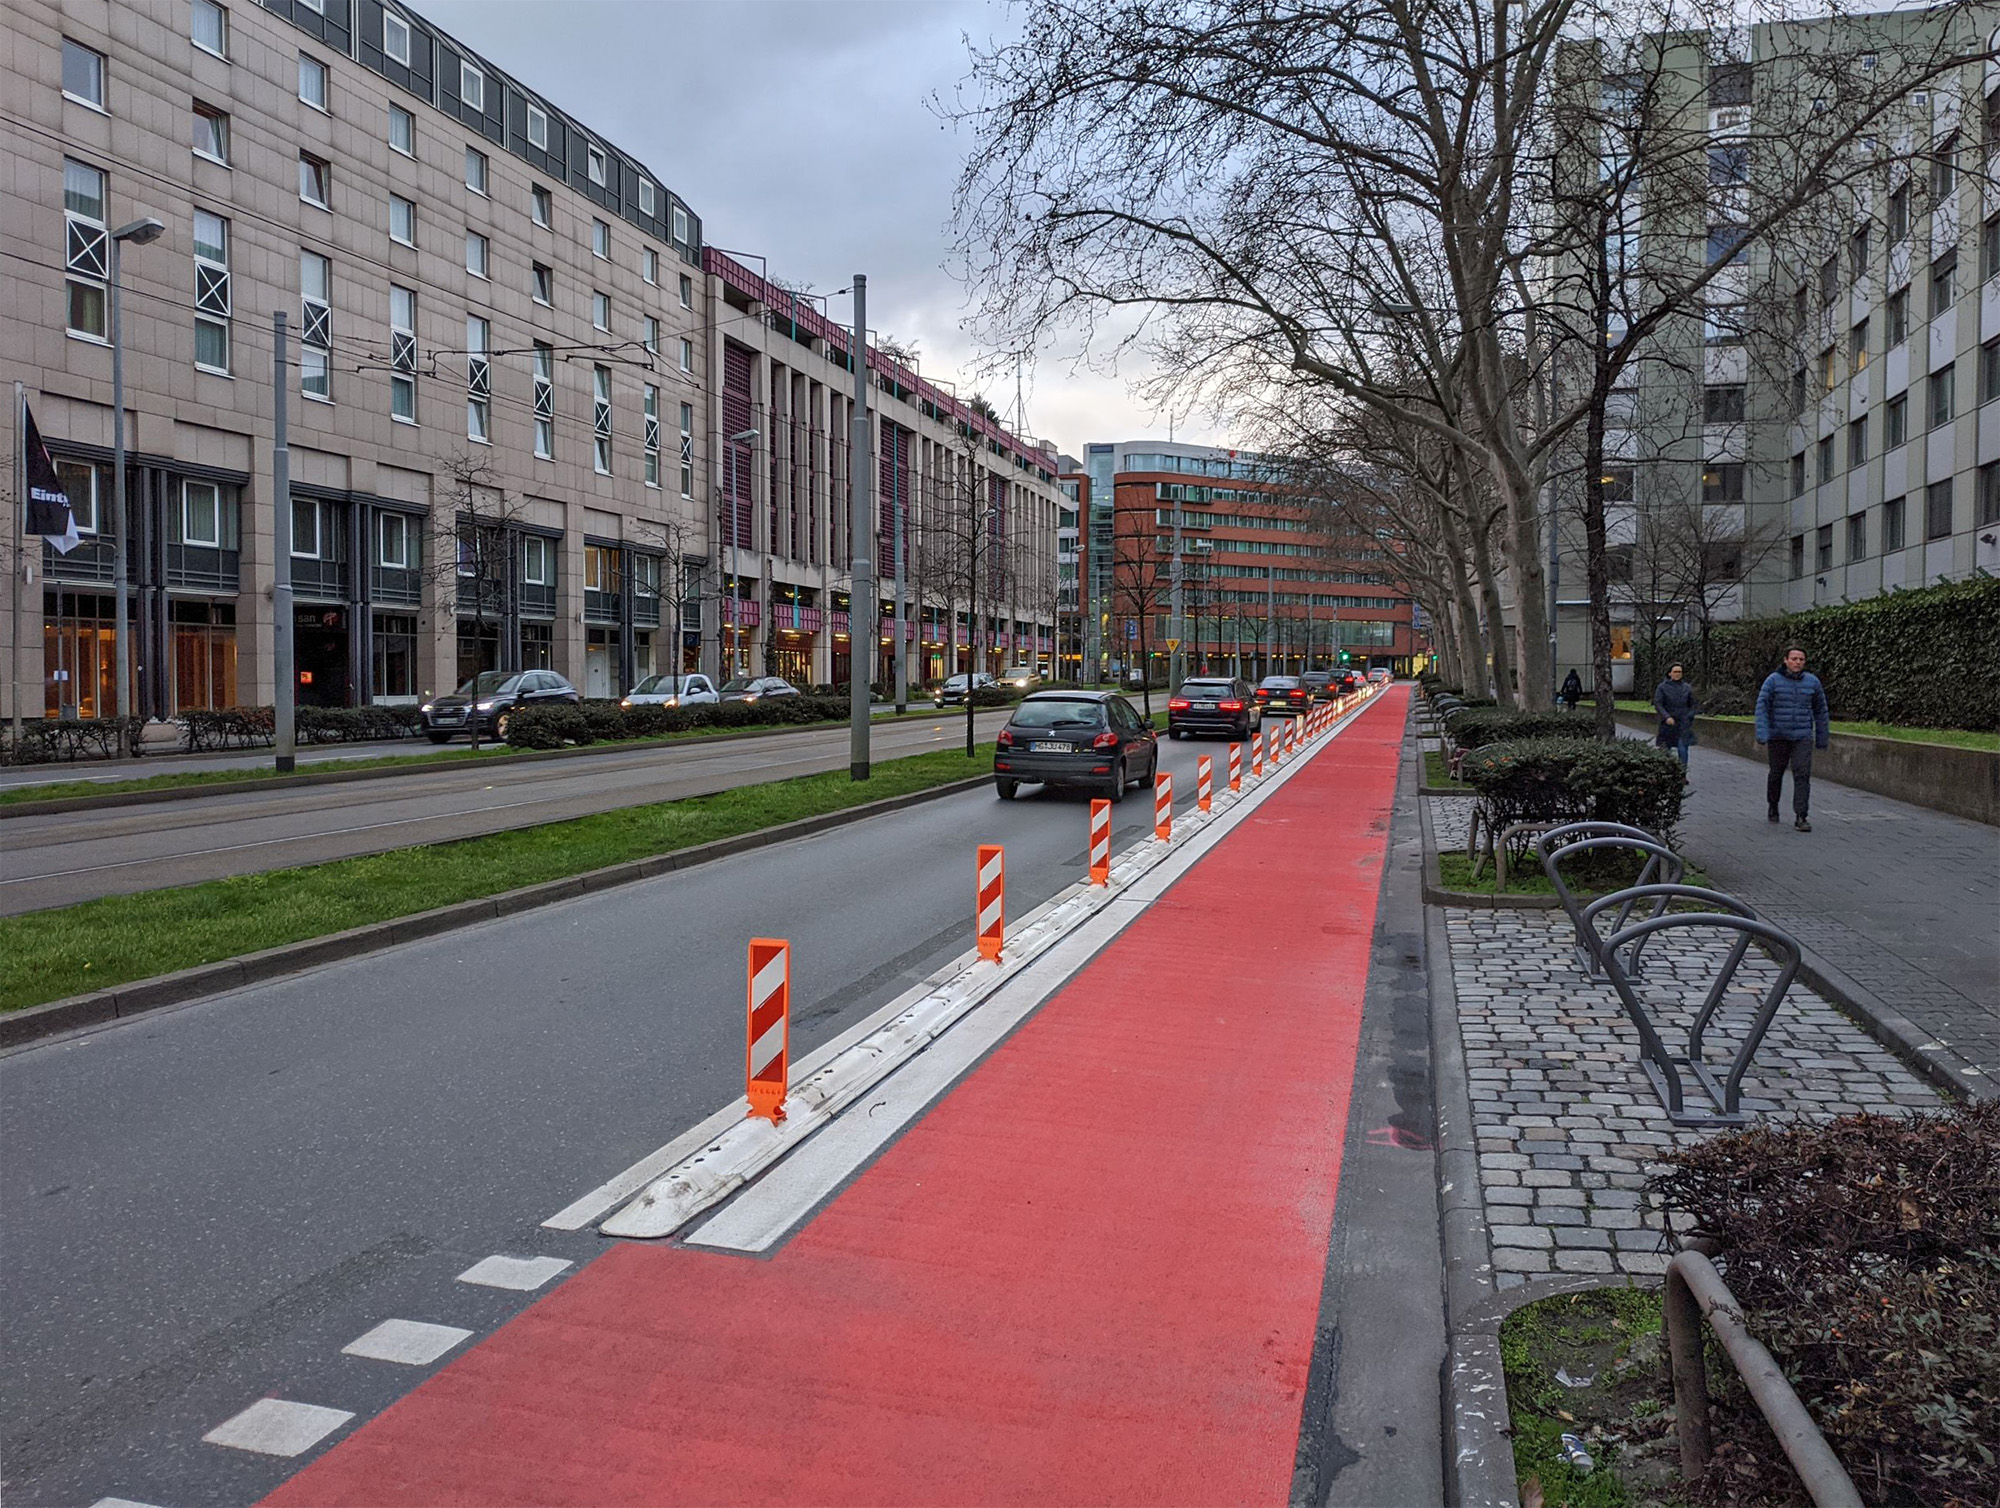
[[800, 132]]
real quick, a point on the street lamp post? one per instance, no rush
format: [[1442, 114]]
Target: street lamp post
[[741, 437], [139, 233]]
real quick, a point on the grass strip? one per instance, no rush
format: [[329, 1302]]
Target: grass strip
[[1437, 768], [1455, 873], [48, 955], [1956, 738]]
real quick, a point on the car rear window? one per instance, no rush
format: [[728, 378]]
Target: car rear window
[[1206, 689], [1279, 682], [1055, 711]]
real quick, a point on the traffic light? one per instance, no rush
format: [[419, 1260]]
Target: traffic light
[[1345, 657]]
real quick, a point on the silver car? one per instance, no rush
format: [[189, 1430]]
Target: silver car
[[670, 691]]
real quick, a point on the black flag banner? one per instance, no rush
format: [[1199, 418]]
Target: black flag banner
[[49, 513]]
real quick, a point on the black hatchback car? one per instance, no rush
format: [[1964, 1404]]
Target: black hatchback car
[[489, 697], [1285, 694], [1094, 739], [1213, 705]]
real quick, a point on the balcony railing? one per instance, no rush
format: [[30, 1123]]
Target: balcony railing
[[319, 578], [537, 601], [91, 560], [394, 585], [600, 607], [203, 567], [645, 610]]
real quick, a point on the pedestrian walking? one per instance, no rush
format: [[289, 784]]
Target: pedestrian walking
[[1674, 700], [1791, 723], [1572, 690]]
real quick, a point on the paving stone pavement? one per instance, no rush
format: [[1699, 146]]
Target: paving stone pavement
[[1568, 1125], [1451, 821]]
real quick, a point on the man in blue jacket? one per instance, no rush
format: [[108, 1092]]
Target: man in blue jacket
[[1791, 723]]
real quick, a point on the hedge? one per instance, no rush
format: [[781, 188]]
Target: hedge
[[1928, 658], [47, 740], [255, 727], [1577, 779], [1473, 727], [606, 722]]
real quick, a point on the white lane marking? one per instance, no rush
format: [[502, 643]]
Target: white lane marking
[[522, 1274], [276, 1427], [119, 1503], [332, 832], [410, 1342]]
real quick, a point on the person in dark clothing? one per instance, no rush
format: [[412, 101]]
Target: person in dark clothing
[[1791, 723], [1674, 700], [1572, 691]]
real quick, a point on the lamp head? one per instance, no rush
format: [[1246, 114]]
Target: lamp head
[[743, 437], [139, 232]]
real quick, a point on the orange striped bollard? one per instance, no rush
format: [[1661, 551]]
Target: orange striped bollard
[[1257, 755], [1236, 767], [1277, 748], [1204, 782], [1163, 806], [768, 1062], [1100, 842], [992, 900]]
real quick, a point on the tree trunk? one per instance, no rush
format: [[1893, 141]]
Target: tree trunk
[[1597, 567], [1497, 658]]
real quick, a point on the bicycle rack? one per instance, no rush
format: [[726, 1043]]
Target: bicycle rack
[[1661, 1066], [1662, 866]]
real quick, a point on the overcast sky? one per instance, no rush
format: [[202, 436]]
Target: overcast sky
[[799, 130]]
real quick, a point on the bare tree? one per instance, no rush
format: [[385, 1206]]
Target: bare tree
[[1141, 589], [472, 564]]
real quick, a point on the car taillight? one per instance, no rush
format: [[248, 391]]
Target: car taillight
[[1004, 739], [1229, 706], [1263, 695], [1178, 704], [1105, 741]]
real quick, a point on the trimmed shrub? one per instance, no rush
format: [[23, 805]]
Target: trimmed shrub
[[230, 728], [340, 725], [1575, 779], [47, 740], [1921, 659], [600, 721], [1474, 727]]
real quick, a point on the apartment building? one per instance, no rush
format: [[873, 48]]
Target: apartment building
[[1824, 429], [1261, 587], [974, 506]]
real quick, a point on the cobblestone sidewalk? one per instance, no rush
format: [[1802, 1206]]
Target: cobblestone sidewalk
[[1568, 1125]]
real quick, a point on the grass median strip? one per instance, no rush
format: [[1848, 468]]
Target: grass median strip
[[1957, 738], [48, 955]]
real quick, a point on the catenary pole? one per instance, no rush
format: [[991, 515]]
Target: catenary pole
[[121, 525], [284, 680], [864, 616], [21, 566]]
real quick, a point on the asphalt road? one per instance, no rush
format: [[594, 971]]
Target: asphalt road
[[61, 859], [200, 1207]]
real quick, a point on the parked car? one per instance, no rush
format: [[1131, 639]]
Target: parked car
[[1215, 705], [756, 688], [1094, 739], [1284, 694], [488, 698], [670, 691], [1022, 678], [1323, 684], [953, 692]]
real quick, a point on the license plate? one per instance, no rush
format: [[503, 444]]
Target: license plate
[[1044, 748], [448, 717], [1204, 706]]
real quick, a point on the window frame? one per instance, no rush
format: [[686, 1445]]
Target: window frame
[[219, 119], [1895, 513], [212, 282], [312, 511], [537, 114], [597, 165], [401, 559], [1896, 422], [398, 115], [1857, 536], [600, 309], [1938, 522], [213, 540], [1943, 383], [1943, 276], [541, 206], [600, 238], [478, 172], [324, 175], [102, 70], [686, 291], [472, 86], [687, 355], [542, 284], [537, 560], [479, 249], [316, 321], [308, 65], [196, 9], [397, 201], [87, 256], [389, 19]]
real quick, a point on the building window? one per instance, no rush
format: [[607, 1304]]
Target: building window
[[1722, 324], [1857, 255], [392, 541], [475, 170], [402, 354], [542, 283], [1798, 556], [313, 176], [537, 561], [1937, 510], [315, 325], [305, 528], [472, 86], [1857, 443], [210, 28], [680, 225], [1824, 452], [1989, 244], [600, 417], [649, 264], [1829, 371], [1943, 396], [541, 206], [1823, 548], [402, 131], [1899, 213], [600, 239], [545, 400], [312, 81], [477, 252], [687, 450], [1892, 525], [1897, 315], [649, 197], [595, 159], [1798, 392], [652, 335], [1989, 494], [402, 220], [1829, 279], [211, 133], [687, 291], [1944, 272], [211, 291], [83, 485], [1896, 421], [82, 74], [1799, 474], [1989, 371], [1857, 348], [1728, 164], [395, 38], [1944, 169], [600, 310], [478, 380], [538, 128], [86, 248], [687, 355], [652, 435], [1857, 537], [1722, 482], [1726, 244], [201, 514], [1722, 403]]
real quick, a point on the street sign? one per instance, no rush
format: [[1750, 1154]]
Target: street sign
[[1132, 628], [1172, 645]]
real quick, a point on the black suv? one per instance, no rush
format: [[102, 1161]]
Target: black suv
[[1095, 739], [488, 697], [1323, 684], [1213, 705]]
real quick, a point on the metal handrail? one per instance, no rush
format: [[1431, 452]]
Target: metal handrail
[[1695, 1291]]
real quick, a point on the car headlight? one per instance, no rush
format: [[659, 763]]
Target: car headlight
[[625, 704], [425, 708], [672, 701], [486, 706], [751, 696]]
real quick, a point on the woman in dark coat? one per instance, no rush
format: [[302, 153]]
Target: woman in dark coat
[[1572, 691], [1674, 700]]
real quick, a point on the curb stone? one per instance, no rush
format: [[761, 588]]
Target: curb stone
[[1435, 893], [102, 1007], [1923, 1054]]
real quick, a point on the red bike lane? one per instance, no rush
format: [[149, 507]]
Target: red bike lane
[[1089, 1274]]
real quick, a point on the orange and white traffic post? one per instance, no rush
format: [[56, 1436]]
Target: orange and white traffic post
[[1277, 748], [1163, 806], [1100, 842], [992, 900], [1236, 767], [1204, 782], [1257, 755], [768, 1062]]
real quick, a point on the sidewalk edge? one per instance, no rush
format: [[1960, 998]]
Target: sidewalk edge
[[185, 986], [1918, 1050]]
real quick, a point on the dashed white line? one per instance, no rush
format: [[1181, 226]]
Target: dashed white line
[[278, 1427], [412, 1343], [522, 1274]]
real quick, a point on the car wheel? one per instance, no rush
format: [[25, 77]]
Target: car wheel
[[437, 738], [1118, 781], [1007, 789]]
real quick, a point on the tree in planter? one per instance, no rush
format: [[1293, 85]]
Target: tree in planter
[[668, 539], [962, 553], [474, 553]]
